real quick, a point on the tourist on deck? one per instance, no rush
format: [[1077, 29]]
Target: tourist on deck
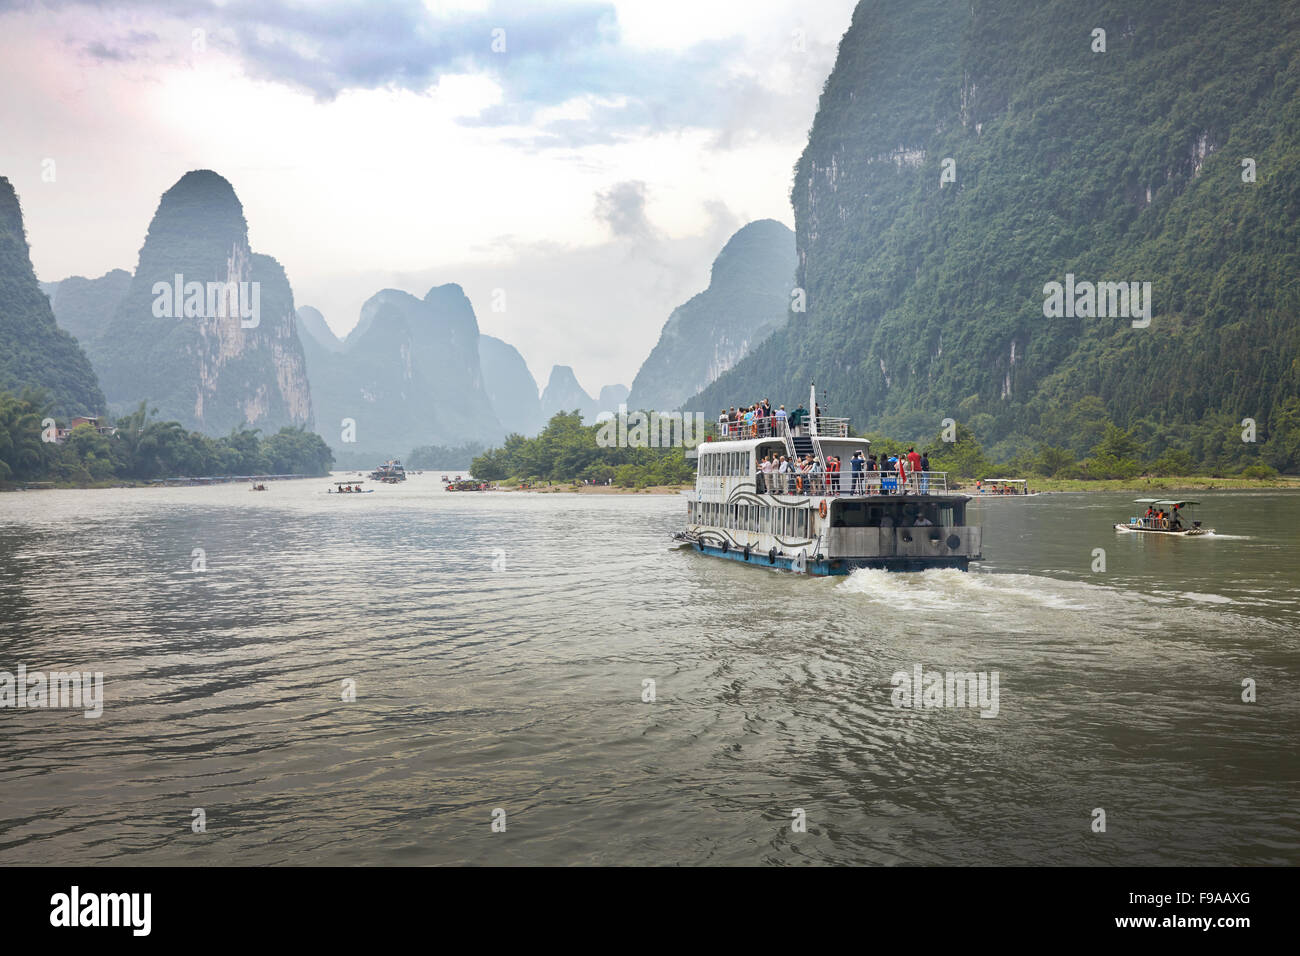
[[856, 465], [815, 476], [833, 475], [925, 473], [778, 419], [722, 423], [797, 419], [913, 466]]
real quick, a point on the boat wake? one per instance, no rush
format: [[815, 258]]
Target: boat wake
[[944, 589], [1019, 597]]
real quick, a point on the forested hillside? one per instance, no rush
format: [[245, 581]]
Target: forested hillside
[[967, 154], [34, 352], [746, 301]]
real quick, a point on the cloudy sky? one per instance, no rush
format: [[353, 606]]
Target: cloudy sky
[[587, 158]]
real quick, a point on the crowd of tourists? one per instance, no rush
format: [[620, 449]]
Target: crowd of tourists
[[761, 420], [1164, 520], [861, 475]]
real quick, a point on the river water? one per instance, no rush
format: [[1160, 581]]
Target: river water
[[499, 646]]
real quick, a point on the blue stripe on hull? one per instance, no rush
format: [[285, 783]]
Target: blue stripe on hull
[[830, 568]]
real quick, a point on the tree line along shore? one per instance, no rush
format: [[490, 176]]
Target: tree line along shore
[[136, 449], [567, 455]]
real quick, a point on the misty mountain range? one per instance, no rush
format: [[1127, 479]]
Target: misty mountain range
[[412, 372]]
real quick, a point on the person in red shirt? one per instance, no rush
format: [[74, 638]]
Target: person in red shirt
[[913, 463]]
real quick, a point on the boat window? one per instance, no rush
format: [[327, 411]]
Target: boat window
[[856, 514], [849, 514]]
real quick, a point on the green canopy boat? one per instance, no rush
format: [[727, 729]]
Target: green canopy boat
[[1165, 516]]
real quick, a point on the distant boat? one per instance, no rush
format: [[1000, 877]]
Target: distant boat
[[390, 472], [351, 487], [1006, 487], [1158, 520], [467, 485]]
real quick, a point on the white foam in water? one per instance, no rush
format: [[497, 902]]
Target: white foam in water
[[946, 588], [1207, 598]]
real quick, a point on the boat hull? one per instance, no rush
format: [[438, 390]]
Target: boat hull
[[833, 567], [1184, 533]]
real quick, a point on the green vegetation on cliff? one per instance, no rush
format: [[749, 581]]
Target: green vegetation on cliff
[[926, 298], [746, 301], [34, 352]]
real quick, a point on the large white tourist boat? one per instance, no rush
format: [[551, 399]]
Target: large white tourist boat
[[822, 522]]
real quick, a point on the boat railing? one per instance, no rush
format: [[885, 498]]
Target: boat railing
[[852, 483], [1156, 524], [832, 427]]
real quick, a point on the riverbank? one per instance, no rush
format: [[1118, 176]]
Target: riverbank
[[562, 488], [153, 483], [1160, 485]]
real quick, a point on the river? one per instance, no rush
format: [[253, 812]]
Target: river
[[500, 647]]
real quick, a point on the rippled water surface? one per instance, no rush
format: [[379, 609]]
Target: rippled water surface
[[520, 687]]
